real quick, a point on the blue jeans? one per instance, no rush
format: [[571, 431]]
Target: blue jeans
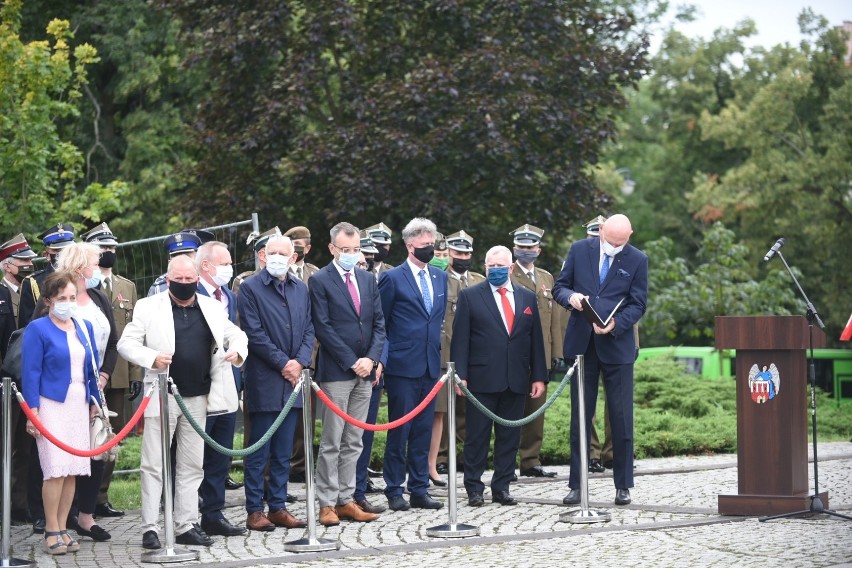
[[277, 453]]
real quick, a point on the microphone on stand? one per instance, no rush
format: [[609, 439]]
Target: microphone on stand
[[775, 248]]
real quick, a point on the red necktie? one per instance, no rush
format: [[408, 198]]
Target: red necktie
[[353, 293], [507, 309], [217, 293]]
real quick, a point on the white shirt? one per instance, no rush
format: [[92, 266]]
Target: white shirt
[[352, 278], [11, 284], [211, 289], [428, 277], [510, 294]]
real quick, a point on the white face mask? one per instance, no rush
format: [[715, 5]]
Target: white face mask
[[63, 310], [277, 264], [223, 275], [608, 249]]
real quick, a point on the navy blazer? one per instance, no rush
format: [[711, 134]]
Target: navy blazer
[[46, 361], [627, 278], [232, 315], [414, 336], [345, 336], [279, 328], [485, 354]]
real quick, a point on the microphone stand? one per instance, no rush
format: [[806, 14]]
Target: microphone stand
[[817, 506]]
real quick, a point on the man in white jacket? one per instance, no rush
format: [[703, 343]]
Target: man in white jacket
[[189, 337]]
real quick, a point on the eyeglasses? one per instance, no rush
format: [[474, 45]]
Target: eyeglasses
[[347, 250], [362, 265]]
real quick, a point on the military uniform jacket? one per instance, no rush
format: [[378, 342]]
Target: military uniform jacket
[[242, 277], [455, 284], [553, 316], [122, 296], [16, 297], [30, 293], [380, 268]]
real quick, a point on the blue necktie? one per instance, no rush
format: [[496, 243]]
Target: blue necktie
[[424, 289], [604, 268]]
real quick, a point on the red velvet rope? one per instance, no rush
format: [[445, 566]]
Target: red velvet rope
[[380, 427], [85, 453]]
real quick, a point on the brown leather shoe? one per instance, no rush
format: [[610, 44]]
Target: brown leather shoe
[[257, 521], [369, 507], [353, 512], [327, 517], [283, 518]]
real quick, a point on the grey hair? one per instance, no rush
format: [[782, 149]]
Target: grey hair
[[498, 250], [205, 252], [279, 238], [346, 228], [180, 259], [417, 227]]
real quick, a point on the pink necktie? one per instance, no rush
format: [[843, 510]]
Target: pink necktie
[[353, 293]]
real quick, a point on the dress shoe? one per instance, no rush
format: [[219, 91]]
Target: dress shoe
[[373, 488], [437, 482], [352, 512], [398, 503], [503, 498], [95, 533], [537, 471], [373, 473], [475, 500], [232, 485], [370, 508], [297, 476], [257, 521], [514, 477], [573, 497], [608, 464], [622, 496], [328, 517], [107, 510], [283, 518], [194, 538], [443, 468], [425, 501], [222, 527], [38, 526], [150, 540], [595, 466]]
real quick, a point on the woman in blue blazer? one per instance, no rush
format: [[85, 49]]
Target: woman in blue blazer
[[58, 378]]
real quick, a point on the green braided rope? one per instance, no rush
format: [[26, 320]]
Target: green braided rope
[[566, 380], [245, 451]]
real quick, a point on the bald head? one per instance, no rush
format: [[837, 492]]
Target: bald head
[[616, 230]]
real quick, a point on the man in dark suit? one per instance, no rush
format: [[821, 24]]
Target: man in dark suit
[[605, 271], [350, 329], [498, 348], [215, 270], [275, 313], [414, 298]]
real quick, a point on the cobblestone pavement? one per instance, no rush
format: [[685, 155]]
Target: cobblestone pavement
[[671, 522]]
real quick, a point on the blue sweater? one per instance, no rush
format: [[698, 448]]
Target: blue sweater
[[46, 362]]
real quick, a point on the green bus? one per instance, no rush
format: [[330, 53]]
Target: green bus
[[833, 366]]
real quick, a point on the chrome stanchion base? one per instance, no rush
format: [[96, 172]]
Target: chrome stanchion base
[[585, 516], [17, 562], [456, 530], [308, 544], [170, 556]]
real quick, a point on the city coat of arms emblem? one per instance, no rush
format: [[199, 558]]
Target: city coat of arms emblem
[[764, 383]]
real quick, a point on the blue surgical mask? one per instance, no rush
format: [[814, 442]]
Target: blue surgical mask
[[347, 261], [277, 264], [63, 310], [526, 257], [97, 278], [498, 276]]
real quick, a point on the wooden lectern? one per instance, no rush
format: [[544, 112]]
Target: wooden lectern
[[772, 434]]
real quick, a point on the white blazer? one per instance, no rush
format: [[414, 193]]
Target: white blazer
[[152, 331]]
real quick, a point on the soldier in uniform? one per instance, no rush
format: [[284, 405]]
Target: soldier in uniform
[[460, 246], [185, 242], [122, 295], [380, 234], [368, 251], [303, 270], [16, 258], [55, 239], [527, 241], [258, 242]]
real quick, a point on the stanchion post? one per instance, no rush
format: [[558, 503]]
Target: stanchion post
[[310, 542], [583, 514], [6, 542], [452, 529], [169, 554]]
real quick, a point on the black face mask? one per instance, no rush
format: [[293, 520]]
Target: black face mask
[[461, 265], [424, 254], [300, 253], [370, 264], [107, 259], [25, 270], [381, 255], [183, 291]]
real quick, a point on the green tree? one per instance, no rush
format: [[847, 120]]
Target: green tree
[[41, 171]]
